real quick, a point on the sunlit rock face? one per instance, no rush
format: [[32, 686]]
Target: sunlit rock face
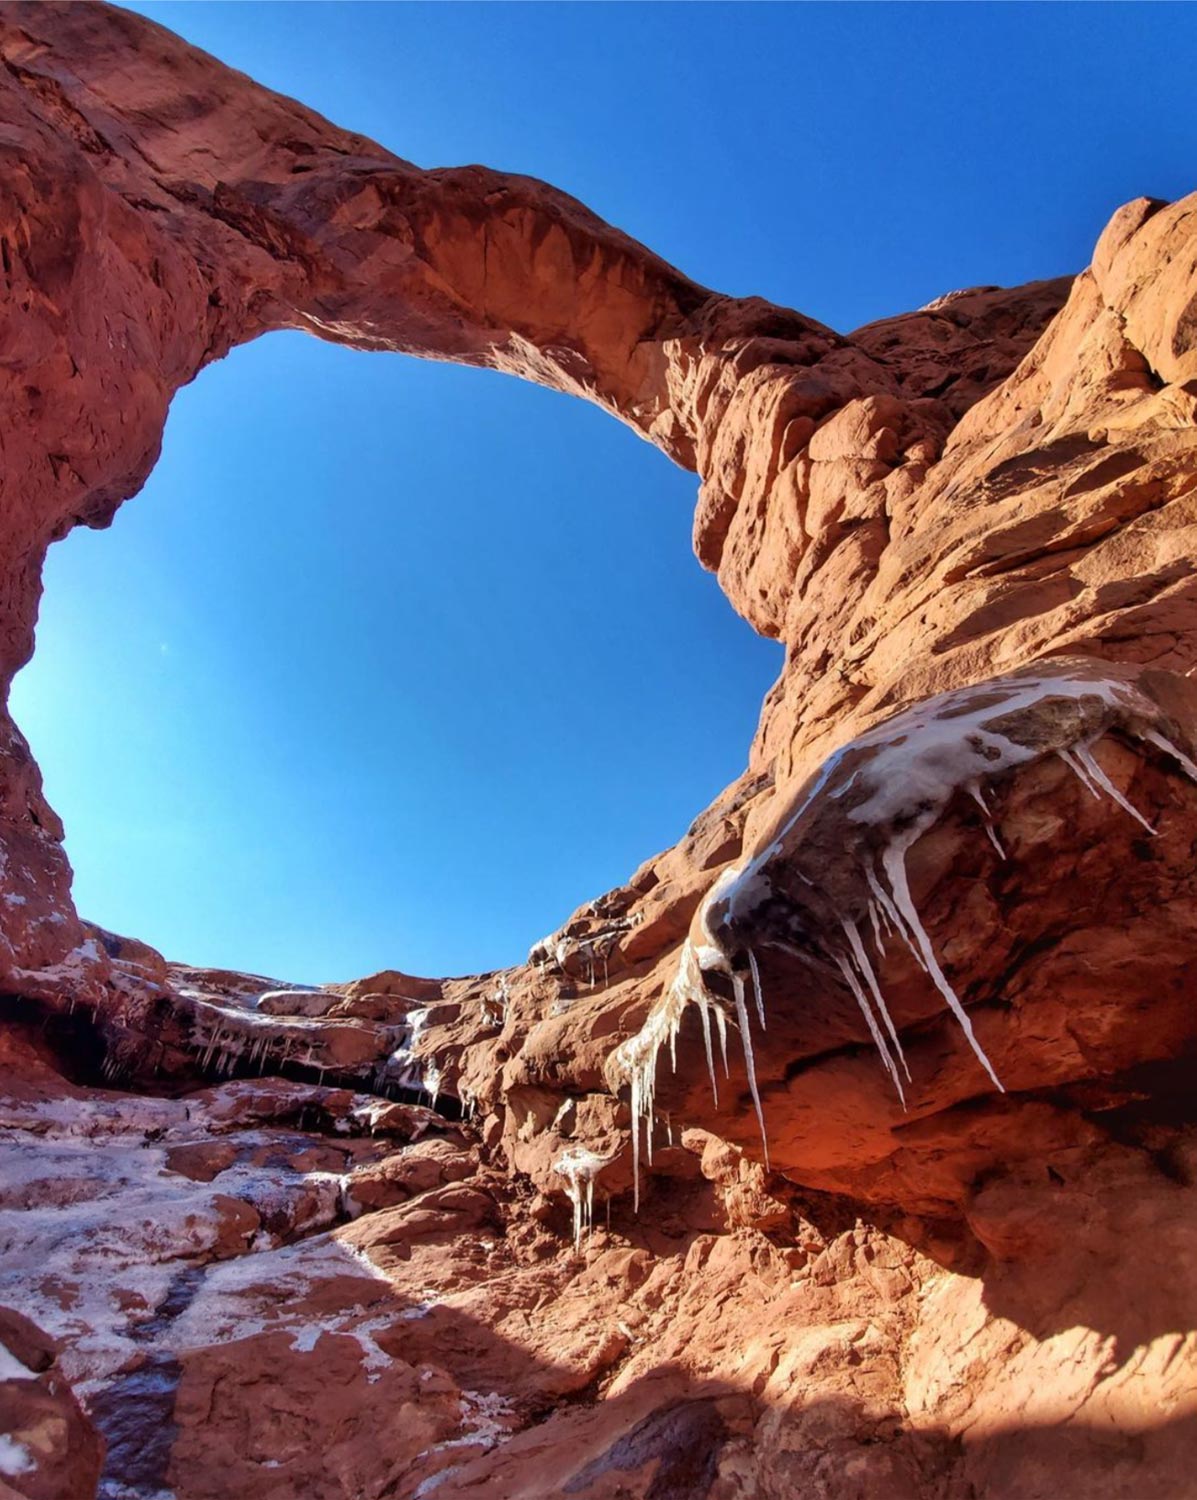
[[847, 1149]]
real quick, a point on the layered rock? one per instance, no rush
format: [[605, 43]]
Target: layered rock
[[929, 1229]]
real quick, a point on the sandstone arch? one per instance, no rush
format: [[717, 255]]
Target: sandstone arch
[[927, 504], [137, 251], [864, 498]]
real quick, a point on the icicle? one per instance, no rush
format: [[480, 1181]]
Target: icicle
[[866, 969], [891, 913], [721, 1027], [636, 1140], [894, 861], [650, 1118], [874, 1030], [875, 922], [637, 1058], [1161, 742], [974, 790], [749, 1060], [1078, 770], [210, 1050], [756, 984], [1085, 755], [704, 1015], [644, 1092]]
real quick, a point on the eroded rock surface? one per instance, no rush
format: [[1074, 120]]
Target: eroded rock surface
[[930, 1230]]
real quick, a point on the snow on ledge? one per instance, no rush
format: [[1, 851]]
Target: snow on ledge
[[871, 801]]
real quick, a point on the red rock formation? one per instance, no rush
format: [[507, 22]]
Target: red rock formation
[[312, 1284], [47, 1445]]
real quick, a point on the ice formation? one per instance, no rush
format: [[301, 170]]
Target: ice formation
[[873, 799], [233, 1031], [580, 1167], [92, 1201], [582, 954], [496, 1006], [637, 1058], [224, 1035], [403, 1069], [406, 1070]]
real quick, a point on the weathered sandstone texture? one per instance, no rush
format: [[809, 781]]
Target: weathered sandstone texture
[[523, 1234]]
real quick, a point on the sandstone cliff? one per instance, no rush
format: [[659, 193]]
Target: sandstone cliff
[[849, 1148]]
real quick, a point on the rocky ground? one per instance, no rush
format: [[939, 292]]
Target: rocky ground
[[927, 1226]]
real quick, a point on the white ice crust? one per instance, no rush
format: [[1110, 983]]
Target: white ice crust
[[904, 773]]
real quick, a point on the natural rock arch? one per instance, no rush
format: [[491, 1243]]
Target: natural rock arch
[[138, 250], [921, 508], [159, 214], [863, 498]]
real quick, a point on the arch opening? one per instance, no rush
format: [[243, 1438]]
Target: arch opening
[[309, 717]]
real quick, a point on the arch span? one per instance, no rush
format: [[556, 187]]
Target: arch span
[[157, 208]]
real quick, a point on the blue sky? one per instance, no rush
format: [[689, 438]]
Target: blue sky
[[394, 664]]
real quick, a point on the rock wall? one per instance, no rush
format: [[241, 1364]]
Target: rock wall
[[929, 1229]]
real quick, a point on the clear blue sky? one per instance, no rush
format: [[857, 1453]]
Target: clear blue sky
[[392, 664]]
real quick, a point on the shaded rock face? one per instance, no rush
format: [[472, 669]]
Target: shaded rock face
[[849, 1148]]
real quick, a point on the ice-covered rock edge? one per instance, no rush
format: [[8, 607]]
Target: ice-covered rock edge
[[887, 788]]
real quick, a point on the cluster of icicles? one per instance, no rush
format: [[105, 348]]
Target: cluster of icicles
[[226, 1038], [557, 949], [919, 760], [637, 1057], [234, 1038], [579, 1167]]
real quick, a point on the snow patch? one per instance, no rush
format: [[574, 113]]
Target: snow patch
[[487, 1417], [15, 1458]]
